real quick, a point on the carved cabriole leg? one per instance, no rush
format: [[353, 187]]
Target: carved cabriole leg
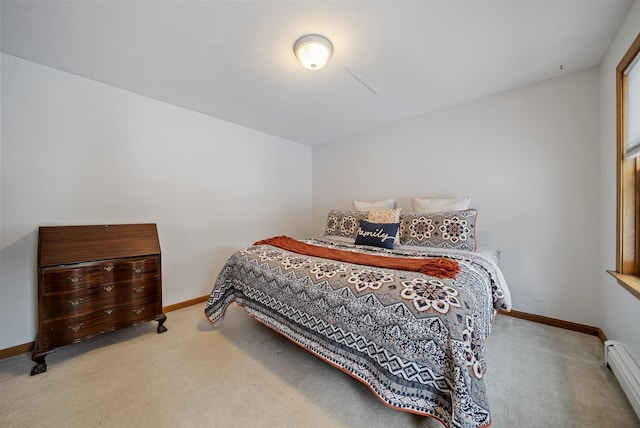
[[40, 367], [161, 319], [38, 356]]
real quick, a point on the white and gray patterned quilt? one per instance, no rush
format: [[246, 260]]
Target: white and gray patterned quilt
[[417, 341]]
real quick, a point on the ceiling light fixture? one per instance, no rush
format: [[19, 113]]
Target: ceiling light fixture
[[313, 51]]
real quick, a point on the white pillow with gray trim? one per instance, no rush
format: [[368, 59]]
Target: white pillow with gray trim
[[386, 204], [440, 204]]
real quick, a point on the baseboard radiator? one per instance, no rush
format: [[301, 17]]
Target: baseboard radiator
[[625, 369]]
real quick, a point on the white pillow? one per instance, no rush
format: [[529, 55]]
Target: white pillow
[[387, 204], [442, 204]]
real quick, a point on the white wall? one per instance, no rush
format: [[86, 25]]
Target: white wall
[[529, 159], [75, 151], [621, 309]]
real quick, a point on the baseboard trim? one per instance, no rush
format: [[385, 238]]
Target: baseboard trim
[[16, 350], [554, 322], [28, 347], [185, 304]]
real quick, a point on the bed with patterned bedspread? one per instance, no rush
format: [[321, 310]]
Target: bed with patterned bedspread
[[416, 340]]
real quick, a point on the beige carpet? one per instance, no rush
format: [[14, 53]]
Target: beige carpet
[[239, 373]]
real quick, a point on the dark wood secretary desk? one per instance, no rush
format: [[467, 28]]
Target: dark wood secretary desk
[[95, 279]]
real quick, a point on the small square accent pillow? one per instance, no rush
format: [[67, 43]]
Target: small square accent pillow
[[376, 234], [384, 216]]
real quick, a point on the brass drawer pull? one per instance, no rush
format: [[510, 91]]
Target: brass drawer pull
[[108, 288], [138, 269], [138, 311], [73, 279], [107, 268], [138, 290], [108, 311], [75, 328], [75, 302]]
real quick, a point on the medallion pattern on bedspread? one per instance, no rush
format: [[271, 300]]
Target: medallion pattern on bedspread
[[430, 294], [416, 340], [327, 270], [372, 279]]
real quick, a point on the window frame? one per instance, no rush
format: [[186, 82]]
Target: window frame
[[627, 270]]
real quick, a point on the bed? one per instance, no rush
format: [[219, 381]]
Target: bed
[[409, 320]]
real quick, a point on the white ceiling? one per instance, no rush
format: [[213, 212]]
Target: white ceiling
[[234, 59]]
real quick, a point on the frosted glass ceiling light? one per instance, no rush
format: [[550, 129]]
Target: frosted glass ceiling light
[[313, 51]]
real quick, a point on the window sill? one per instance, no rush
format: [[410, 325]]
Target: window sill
[[630, 282]]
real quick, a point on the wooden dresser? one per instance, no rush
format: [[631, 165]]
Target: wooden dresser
[[95, 279]]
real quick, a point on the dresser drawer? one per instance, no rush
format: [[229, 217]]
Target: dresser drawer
[[137, 291], [84, 301], [74, 277], [59, 331], [140, 312], [136, 270], [96, 298]]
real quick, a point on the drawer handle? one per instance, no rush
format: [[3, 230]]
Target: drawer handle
[[108, 268], [138, 290], [138, 311], [108, 311], [137, 269], [75, 328], [108, 288], [73, 279], [75, 302]]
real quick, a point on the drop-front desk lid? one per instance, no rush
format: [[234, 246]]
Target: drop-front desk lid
[[59, 245]]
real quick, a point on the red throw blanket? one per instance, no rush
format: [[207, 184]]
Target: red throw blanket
[[439, 266]]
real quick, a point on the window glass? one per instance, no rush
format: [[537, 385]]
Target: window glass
[[632, 125]]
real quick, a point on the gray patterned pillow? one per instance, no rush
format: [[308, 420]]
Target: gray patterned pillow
[[451, 229], [344, 223]]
